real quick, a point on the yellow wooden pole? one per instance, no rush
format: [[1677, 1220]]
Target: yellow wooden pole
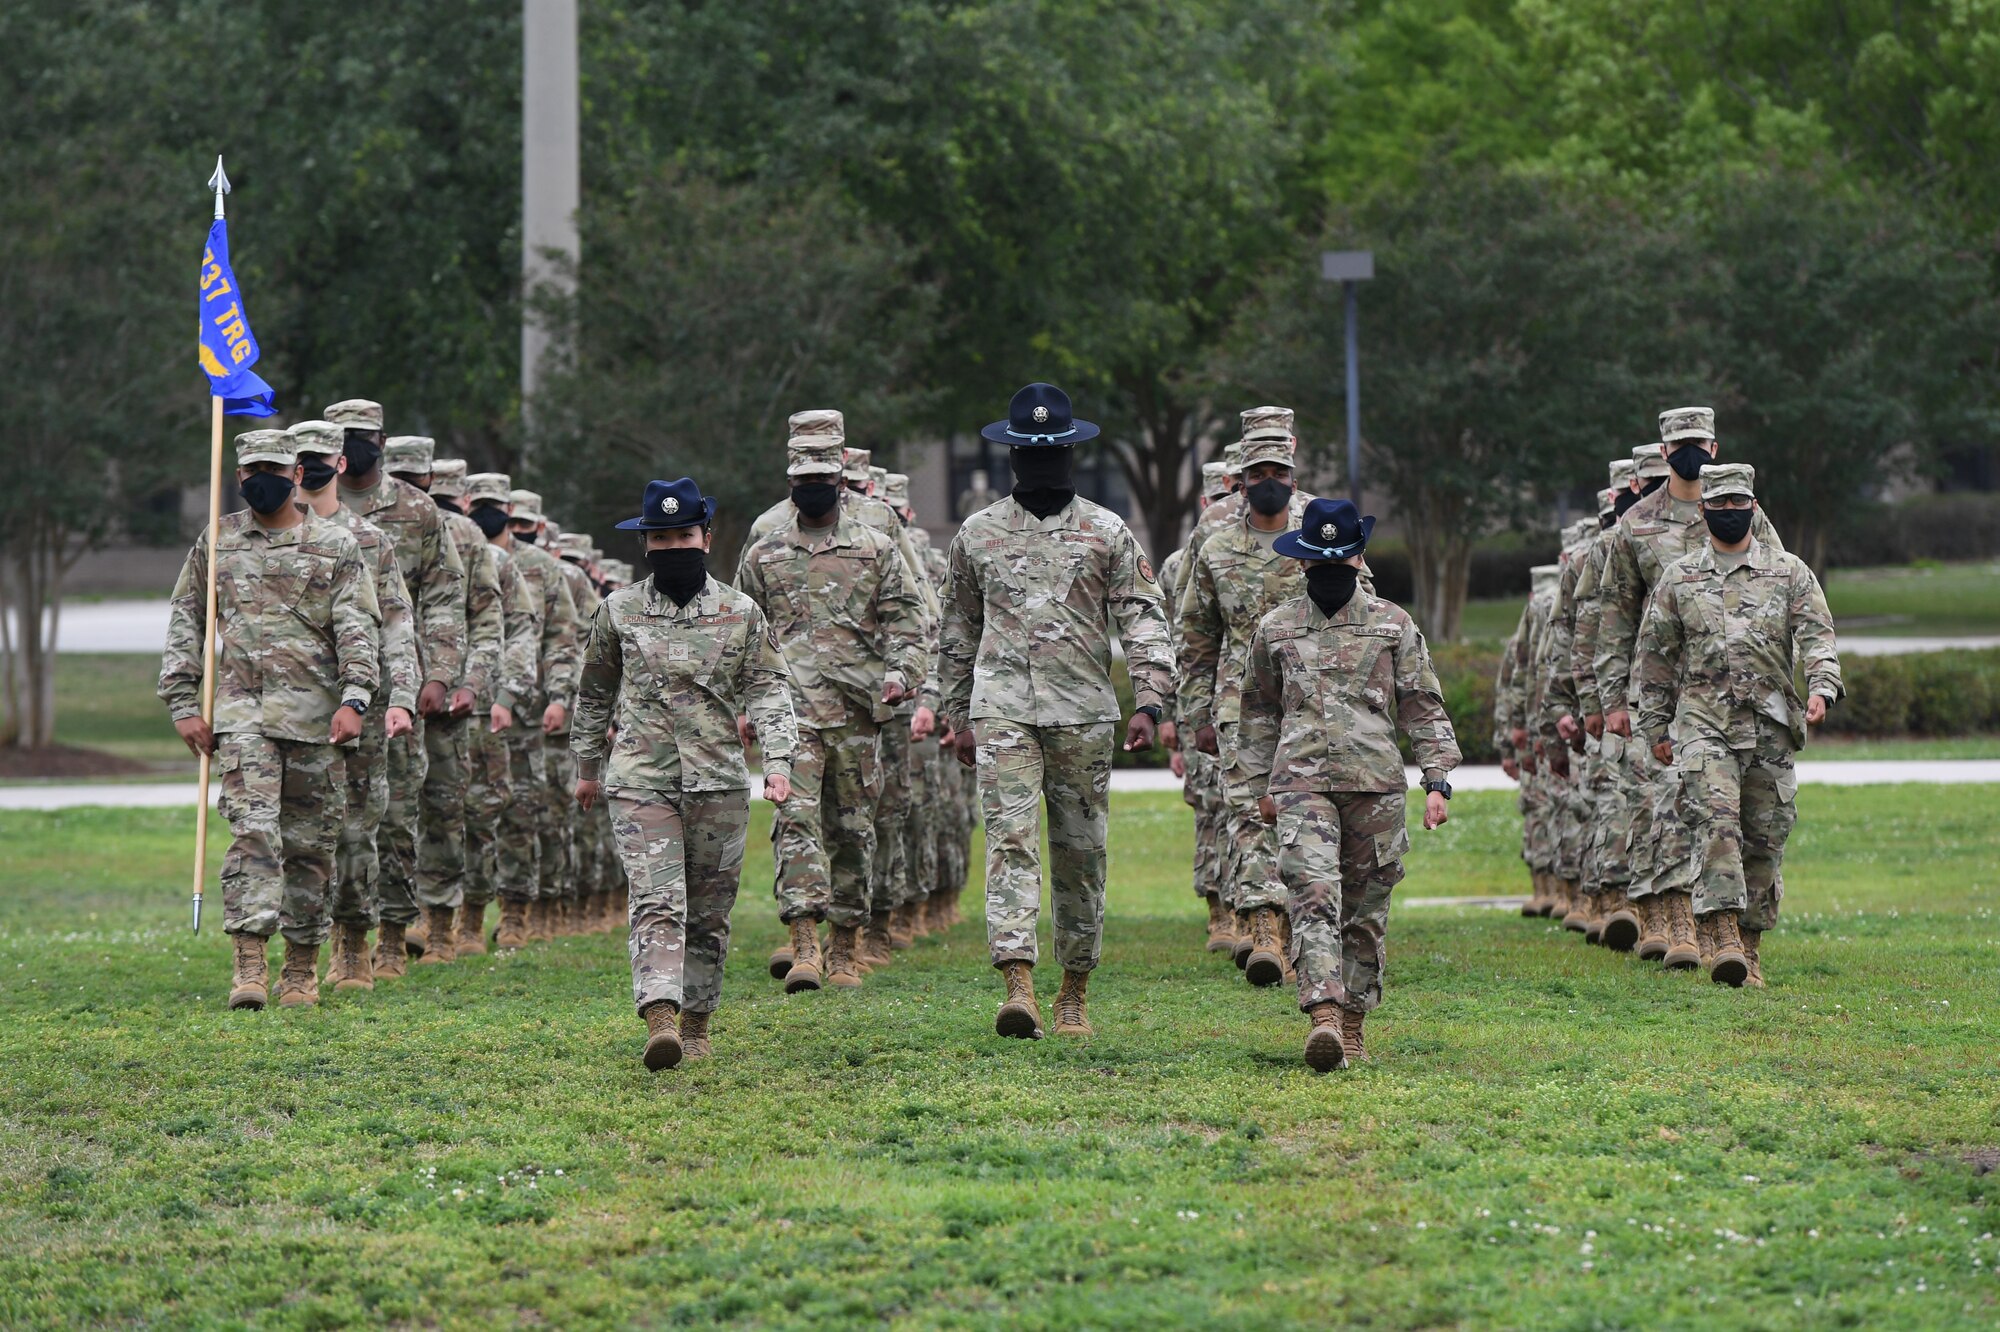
[[208, 650]]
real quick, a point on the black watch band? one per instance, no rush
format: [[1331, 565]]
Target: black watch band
[[360, 709], [1151, 710], [1442, 788]]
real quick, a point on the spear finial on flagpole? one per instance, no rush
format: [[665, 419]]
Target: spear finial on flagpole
[[219, 182]]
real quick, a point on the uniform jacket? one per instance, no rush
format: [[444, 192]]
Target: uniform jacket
[[521, 615], [1236, 582], [561, 643], [397, 648], [485, 612], [431, 570]]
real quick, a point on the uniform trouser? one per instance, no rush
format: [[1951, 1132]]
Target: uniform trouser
[[1341, 853], [1740, 806], [1536, 847], [357, 887], [683, 852], [925, 825], [396, 839], [1672, 867], [954, 847], [489, 791], [1256, 842], [517, 870], [595, 832], [1568, 819], [556, 832], [285, 801], [1651, 779], [889, 883], [1070, 766], [825, 833], [1202, 791], [1618, 814], [1604, 866], [441, 839]]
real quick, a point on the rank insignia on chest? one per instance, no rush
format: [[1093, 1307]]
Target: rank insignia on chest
[[677, 650]]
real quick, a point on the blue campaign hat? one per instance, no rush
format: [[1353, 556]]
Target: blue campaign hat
[[1330, 529], [1039, 414], [671, 504]]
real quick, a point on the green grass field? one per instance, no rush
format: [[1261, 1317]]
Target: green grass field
[[1913, 601], [1548, 1135]]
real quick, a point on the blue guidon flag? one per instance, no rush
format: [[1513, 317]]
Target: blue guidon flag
[[228, 348]]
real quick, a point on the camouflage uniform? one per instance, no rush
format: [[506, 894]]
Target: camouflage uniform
[[504, 848], [1237, 580], [436, 581], [1723, 638], [586, 878], [1201, 791], [675, 776], [552, 784], [1556, 685], [1654, 533], [926, 829], [1613, 773], [1025, 656], [1508, 706], [597, 855], [849, 620], [1321, 705], [299, 629]]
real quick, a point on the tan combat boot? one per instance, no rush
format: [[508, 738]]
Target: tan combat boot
[[876, 950], [1576, 907], [694, 1036], [469, 938], [351, 967], [1729, 963], [416, 936], [513, 929], [806, 960], [250, 986], [901, 935], [780, 964], [843, 966], [1325, 1046], [1536, 902], [391, 961], [1071, 1020], [1019, 1015], [663, 1035], [1221, 926], [1246, 939], [1704, 940], [1683, 949], [1593, 918], [444, 944], [1753, 969], [1621, 922], [1544, 899], [1350, 1033], [1266, 964], [1653, 941], [298, 982]]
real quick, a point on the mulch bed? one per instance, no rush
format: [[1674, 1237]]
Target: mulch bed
[[64, 761]]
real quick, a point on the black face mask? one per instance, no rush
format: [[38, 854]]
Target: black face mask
[[1270, 496], [679, 572], [421, 480], [1688, 460], [1626, 499], [1651, 484], [1331, 585], [815, 499], [319, 473], [1606, 521], [527, 537], [447, 503], [1729, 526], [1042, 478], [362, 452], [266, 492], [492, 519]]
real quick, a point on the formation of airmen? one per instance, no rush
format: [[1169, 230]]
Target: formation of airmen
[[1648, 704], [430, 699]]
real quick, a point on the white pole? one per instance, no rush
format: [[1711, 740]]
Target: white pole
[[550, 174]]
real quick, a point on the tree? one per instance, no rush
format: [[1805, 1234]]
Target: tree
[[704, 316], [1509, 341], [1855, 338]]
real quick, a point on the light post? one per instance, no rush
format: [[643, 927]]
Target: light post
[[1350, 268], [550, 181]]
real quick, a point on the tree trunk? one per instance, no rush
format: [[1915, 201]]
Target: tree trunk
[[1155, 462], [1441, 570], [38, 566]]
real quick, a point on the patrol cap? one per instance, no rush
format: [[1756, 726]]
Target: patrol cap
[[813, 455], [488, 488], [1214, 479], [1546, 577], [1267, 423], [1577, 533], [448, 477], [1270, 449], [1232, 458], [854, 463], [1329, 529], [1607, 500], [896, 490], [527, 506], [816, 422], [317, 437], [551, 531], [615, 571], [407, 453], [1719, 479], [880, 476], [574, 546], [1650, 462], [1687, 423], [355, 414], [670, 504], [255, 446], [1622, 472]]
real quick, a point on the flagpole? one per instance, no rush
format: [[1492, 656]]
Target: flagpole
[[220, 184]]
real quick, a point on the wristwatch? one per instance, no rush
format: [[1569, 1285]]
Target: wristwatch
[[1151, 710], [1439, 787], [360, 708]]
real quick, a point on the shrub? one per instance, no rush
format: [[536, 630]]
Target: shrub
[[1961, 525], [1952, 693], [1879, 694]]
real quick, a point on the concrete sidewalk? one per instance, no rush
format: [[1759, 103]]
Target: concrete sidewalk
[[1949, 772]]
